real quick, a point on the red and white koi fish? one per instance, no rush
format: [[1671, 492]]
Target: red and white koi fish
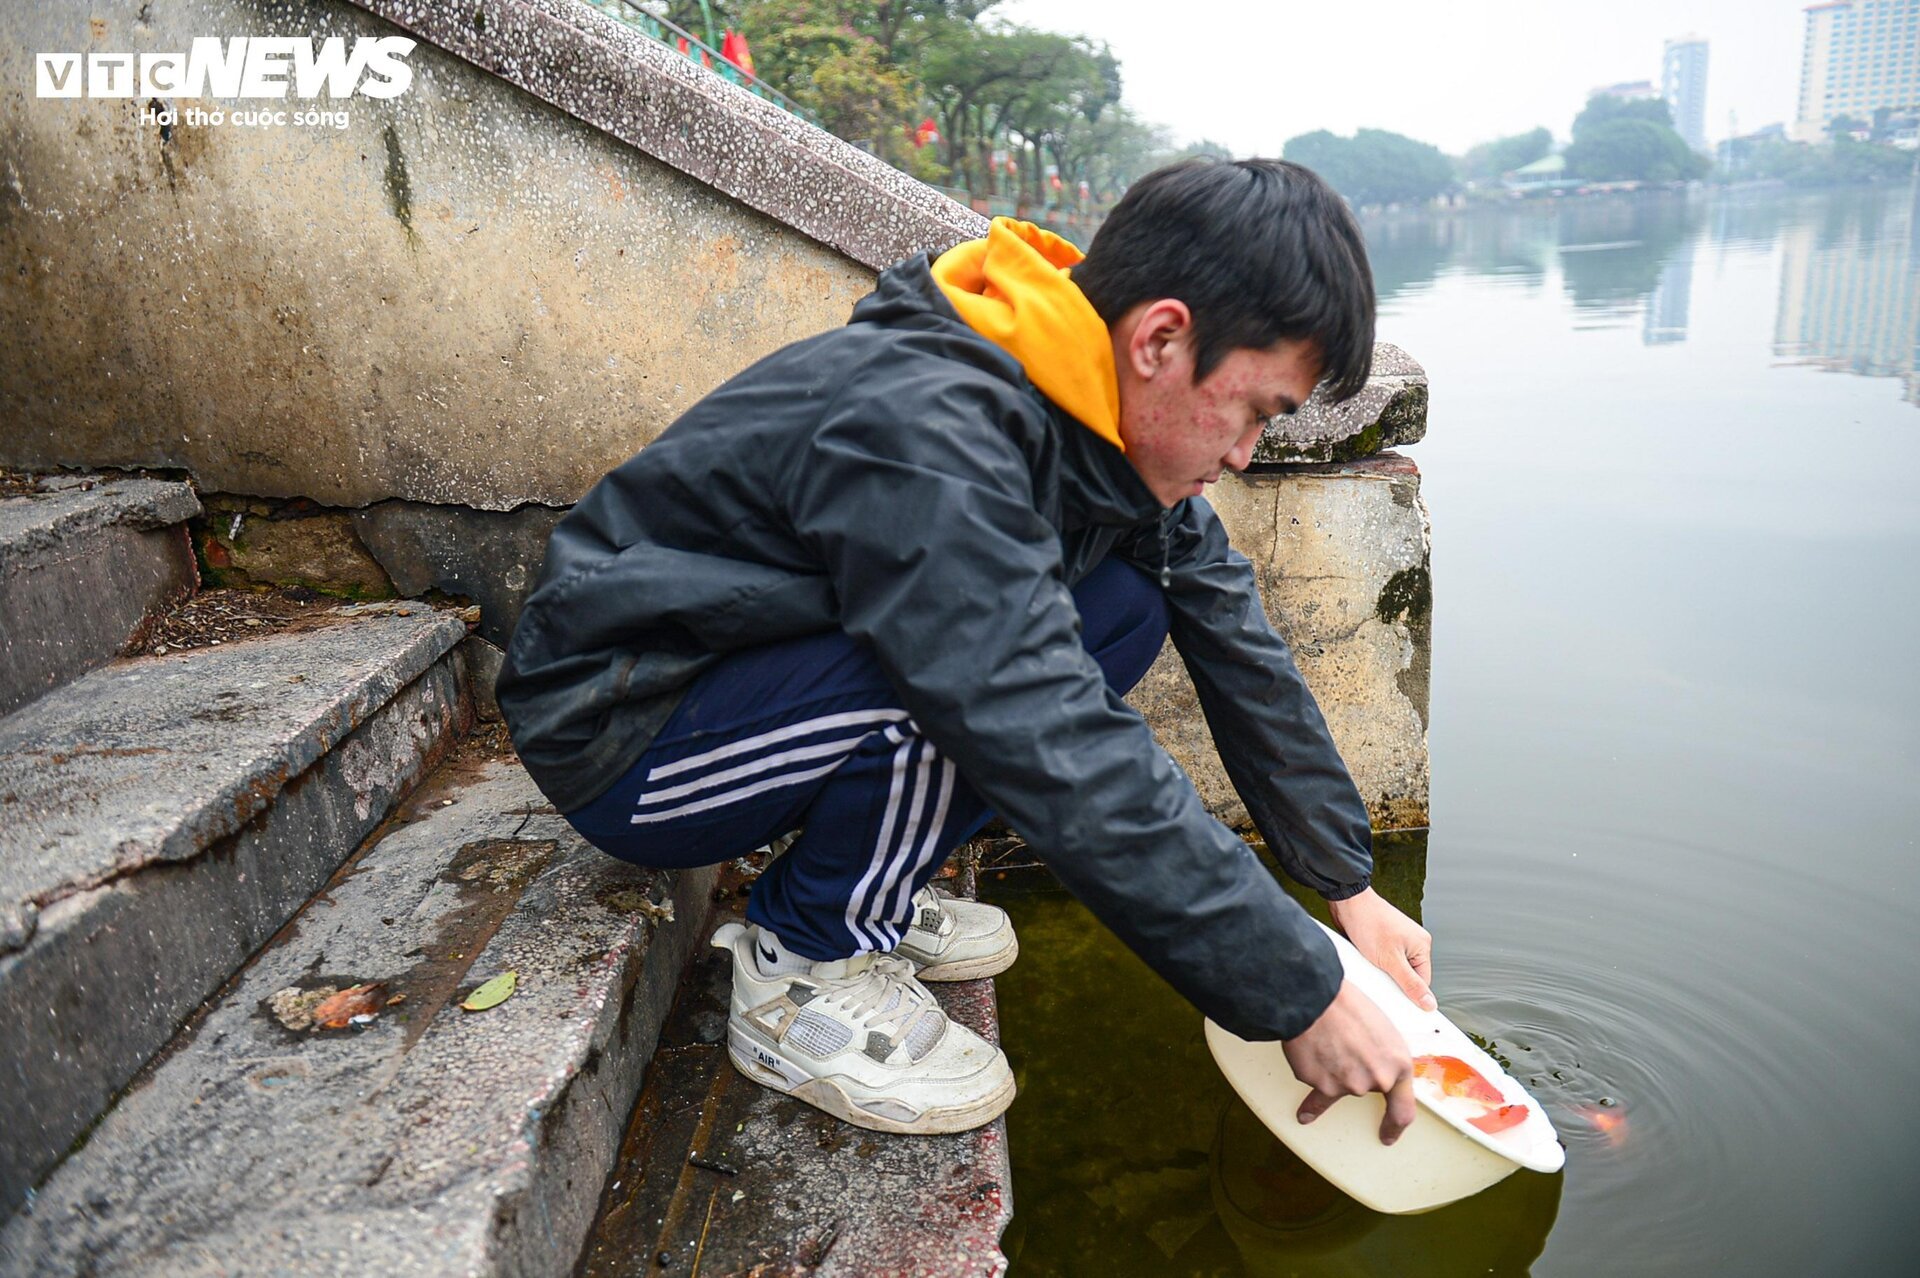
[[1452, 1086]]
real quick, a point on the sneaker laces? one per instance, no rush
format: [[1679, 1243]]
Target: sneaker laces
[[884, 992]]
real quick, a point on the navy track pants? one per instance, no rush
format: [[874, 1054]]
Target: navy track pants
[[808, 734]]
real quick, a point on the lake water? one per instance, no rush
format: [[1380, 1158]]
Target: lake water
[[1673, 462]]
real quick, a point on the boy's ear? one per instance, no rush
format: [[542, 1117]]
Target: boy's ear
[[1161, 333]]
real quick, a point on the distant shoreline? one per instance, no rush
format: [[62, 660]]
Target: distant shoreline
[[1681, 191]]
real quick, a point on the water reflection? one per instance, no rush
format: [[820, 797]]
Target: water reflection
[[1284, 1219], [1673, 757], [1850, 292], [1666, 318], [1132, 1156], [1849, 297]]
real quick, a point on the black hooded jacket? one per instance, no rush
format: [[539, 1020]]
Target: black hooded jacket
[[902, 479]]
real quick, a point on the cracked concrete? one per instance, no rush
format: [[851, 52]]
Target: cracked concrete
[[154, 759]]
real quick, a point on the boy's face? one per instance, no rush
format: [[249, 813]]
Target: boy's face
[[1181, 436]]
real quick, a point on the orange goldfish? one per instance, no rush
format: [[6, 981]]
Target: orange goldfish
[[1607, 1120], [1457, 1087]]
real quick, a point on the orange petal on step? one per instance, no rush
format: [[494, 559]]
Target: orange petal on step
[[343, 1008]]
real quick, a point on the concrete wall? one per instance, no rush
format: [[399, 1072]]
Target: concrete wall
[[466, 296]]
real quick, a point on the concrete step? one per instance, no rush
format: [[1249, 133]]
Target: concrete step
[[719, 1175], [84, 563], [428, 1140], [161, 817]]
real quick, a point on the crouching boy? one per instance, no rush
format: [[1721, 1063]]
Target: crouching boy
[[896, 578]]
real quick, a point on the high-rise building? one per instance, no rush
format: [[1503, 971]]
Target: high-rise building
[[1858, 56], [1683, 83]]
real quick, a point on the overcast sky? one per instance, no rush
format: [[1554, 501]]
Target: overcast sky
[[1450, 72]]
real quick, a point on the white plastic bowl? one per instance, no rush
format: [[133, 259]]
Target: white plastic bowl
[[1440, 1159]]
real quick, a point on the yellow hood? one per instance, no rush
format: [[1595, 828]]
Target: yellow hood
[[1012, 288]]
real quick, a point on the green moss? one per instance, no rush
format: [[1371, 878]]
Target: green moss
[[1406, 413], [1408, 595], [1365, 444], [342, 590], [399, 186]]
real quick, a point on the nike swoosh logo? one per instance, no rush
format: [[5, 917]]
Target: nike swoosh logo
[[769, 955]]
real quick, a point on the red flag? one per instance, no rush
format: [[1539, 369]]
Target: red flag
[[733, 47]]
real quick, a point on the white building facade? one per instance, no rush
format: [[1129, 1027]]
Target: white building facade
[[1683, 83], [1857, 56]]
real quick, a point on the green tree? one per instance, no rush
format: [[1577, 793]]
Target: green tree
[[1844, 126], [872, 69], [1195, 150], [1838, 163], [1082, 85], [1633, 150], [1110, 153], [1489, 161], [987, 84], [1617, 140], [1604, 108], [902, 27], [852, 62], [1374, 166]]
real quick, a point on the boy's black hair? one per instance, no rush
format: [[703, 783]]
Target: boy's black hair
[[1259, 250]]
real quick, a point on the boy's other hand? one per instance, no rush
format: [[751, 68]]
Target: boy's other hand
[[1390, 941], [1352, 1050]]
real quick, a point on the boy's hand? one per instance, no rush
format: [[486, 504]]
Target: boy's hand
[[1390, 941], [1352, 1050]]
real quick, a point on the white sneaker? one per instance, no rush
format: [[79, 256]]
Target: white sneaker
[[863, 1040], [955, 940]]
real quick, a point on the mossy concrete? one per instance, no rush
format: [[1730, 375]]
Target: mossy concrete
[[1341, 553], [1389, 411], [252, 543]]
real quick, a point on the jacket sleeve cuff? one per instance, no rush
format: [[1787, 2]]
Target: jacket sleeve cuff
[[1346, 890]]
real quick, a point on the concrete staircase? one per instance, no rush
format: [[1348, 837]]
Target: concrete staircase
[[205, 840], [196, 846]]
